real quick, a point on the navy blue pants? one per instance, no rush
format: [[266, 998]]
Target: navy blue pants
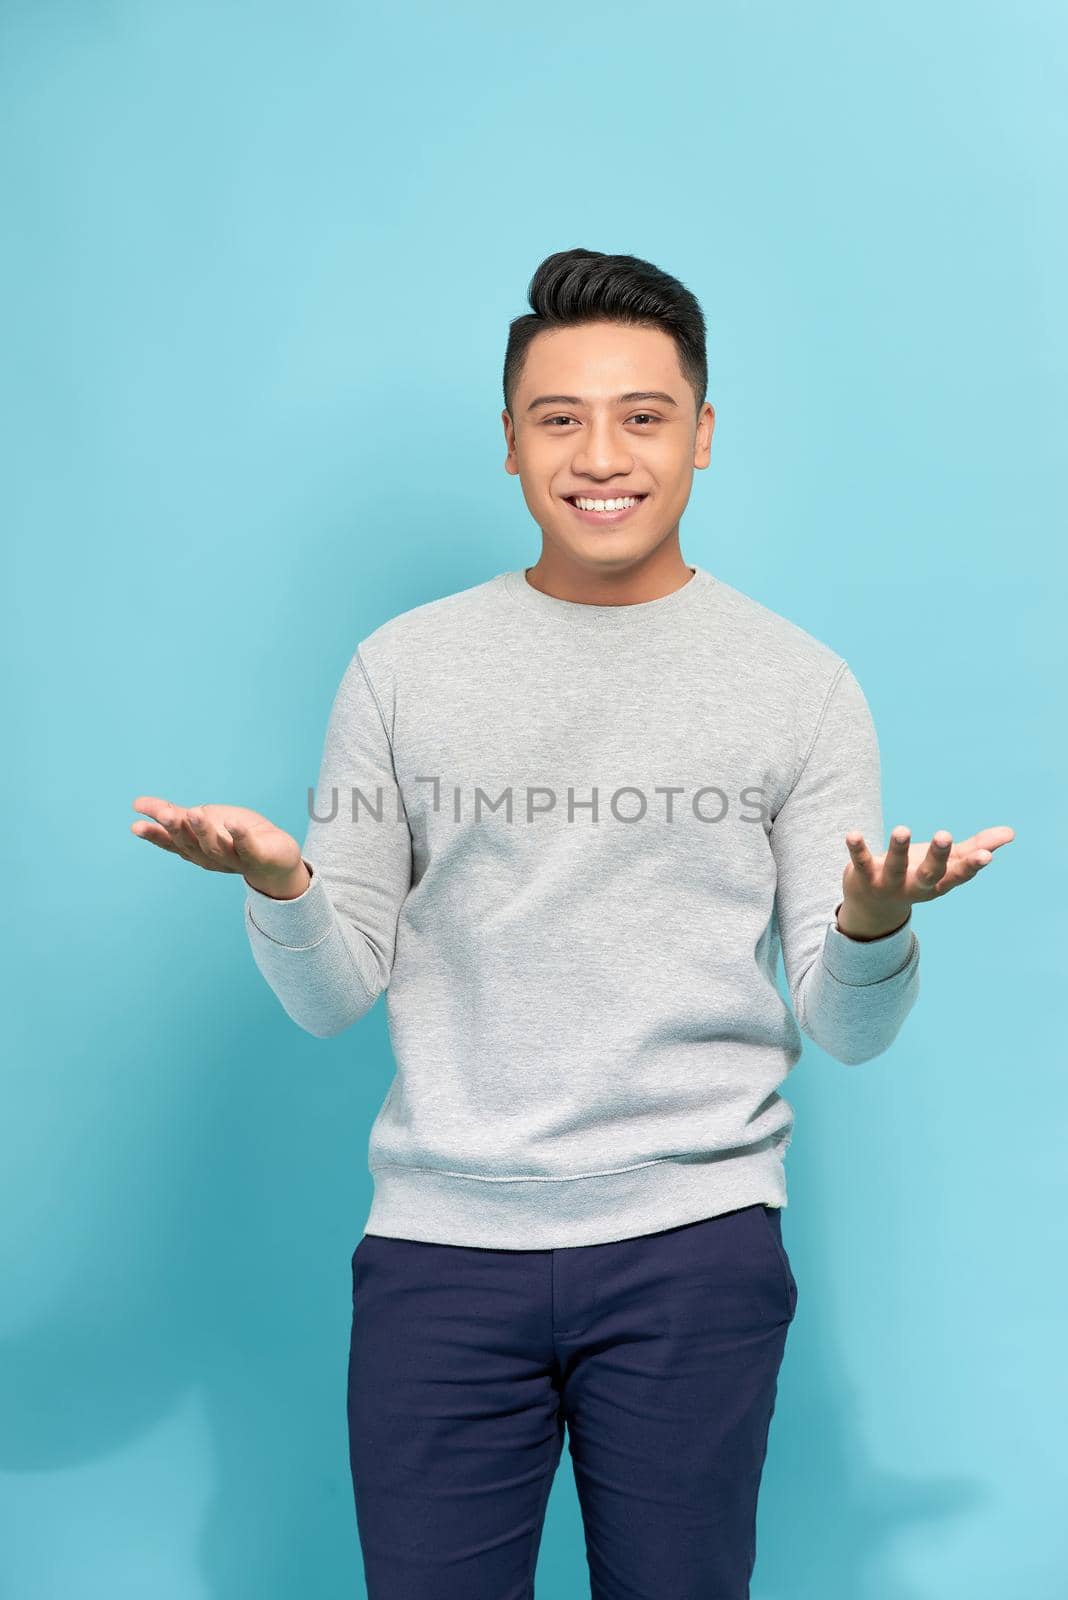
[[660, 1357]]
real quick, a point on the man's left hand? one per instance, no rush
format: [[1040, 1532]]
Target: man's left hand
[[880, 891]]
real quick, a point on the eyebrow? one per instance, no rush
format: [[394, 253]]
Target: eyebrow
[[623, 399]]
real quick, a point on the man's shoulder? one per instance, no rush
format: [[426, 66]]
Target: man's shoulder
[[762, 634], [432, 626]]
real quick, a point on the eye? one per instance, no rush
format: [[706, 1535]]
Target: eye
[[647, 415]]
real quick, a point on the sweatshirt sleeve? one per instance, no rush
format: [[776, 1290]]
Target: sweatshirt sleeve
[[850, 996], [328, 954]]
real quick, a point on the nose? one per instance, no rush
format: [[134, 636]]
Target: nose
[[603, 452]]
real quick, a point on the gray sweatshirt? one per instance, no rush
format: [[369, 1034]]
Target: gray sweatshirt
[[568, 841]]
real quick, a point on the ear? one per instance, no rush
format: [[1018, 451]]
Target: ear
[[511, 463], [702, 447]]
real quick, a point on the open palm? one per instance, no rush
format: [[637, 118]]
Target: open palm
[[880, 890]]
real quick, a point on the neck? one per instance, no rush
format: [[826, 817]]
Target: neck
[[619, 582]]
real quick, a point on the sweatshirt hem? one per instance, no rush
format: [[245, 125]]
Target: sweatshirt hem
[[433, 1207]]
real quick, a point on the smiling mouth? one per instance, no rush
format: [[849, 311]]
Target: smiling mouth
[[606, 509]]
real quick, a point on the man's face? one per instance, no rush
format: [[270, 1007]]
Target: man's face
[[578, 431]]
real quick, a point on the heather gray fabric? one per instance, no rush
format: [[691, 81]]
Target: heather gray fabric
[[596, 825]]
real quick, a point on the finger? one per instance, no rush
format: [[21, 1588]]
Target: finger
[[153, 805], [993, 838], [896, 860], [986, 839], [233, 826], [170, 821], [963, 867], [861, 857], [933, 866], [180, 831], [182, 836], [155, 834], [206, 832], [213, 839]]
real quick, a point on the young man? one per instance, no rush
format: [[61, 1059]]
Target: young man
[[565, 821]]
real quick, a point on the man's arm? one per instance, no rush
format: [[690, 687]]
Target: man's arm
[[850, 995], [328, 952]]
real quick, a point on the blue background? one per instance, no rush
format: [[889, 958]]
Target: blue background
[[258, 267]]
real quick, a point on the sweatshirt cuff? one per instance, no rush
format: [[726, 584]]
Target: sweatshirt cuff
[[862, 961], [299, 923]]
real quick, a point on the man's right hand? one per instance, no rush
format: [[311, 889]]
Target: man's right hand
[[223, 838]]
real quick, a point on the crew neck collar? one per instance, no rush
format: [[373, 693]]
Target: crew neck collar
[[580, 614]]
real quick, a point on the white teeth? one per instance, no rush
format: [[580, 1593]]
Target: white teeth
[[607, 505]]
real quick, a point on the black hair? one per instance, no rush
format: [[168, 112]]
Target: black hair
[[577, 286]]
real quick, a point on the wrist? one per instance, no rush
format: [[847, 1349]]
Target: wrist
[[290, 887], [864, 928]]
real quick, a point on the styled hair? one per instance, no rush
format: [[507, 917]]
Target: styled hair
[[578, 286]]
